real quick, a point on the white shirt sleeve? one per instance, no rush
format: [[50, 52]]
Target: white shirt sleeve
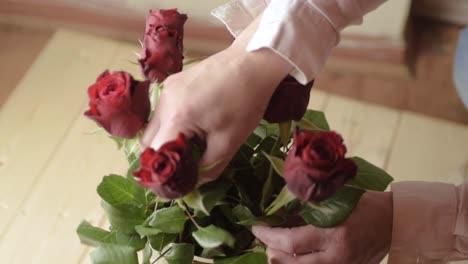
[[301, 31]]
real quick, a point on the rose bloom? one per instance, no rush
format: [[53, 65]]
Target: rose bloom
[[170, 171], [162, 44], [119, 104], [288, 102], [316, 165]]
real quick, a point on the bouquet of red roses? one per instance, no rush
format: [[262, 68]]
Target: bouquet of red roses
[[291, 171]]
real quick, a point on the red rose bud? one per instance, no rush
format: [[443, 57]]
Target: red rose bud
[[171, 171], [289, 101], [163, 44], [119, 104], [316, 167]]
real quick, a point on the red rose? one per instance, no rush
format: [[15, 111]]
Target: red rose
[[119, 103], [171, 171], [316, 165], [163, 44], [289, 101]]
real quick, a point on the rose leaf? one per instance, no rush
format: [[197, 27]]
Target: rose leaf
[[213, 236], [169, 220], [334, 210], [281, 200], [180, 254], [369, 176], [114, 254]]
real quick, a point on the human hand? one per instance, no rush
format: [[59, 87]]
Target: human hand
[[221, 99], [364, 238]]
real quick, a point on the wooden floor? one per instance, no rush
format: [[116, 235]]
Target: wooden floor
[[50, 167]]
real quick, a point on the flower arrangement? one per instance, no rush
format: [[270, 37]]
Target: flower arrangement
[[291, 171]]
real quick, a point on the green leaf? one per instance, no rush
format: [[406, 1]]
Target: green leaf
[[93, 236], [114, 254], [285, 132], [119, 191], [169, 220], [268, 220], [134, 240], [212, 252], [180, 254], [369, 176], [253, 140], [147, 254], [124, 219], [333, 211], [242, 213], [316, 119], [195, 200], [283, 199], [160, 241], [266, 129], [242, 157], [267, 145], [248, 258], [246, 218], [207, 196], [212, 236], [277, 163], [146, 231]]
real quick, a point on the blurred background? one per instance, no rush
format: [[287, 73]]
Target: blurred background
[[388, 88]]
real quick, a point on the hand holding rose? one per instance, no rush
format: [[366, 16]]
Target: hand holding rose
[[365, 237], [221, 99]]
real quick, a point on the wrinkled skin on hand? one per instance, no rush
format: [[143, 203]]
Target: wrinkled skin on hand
[[364, 238]]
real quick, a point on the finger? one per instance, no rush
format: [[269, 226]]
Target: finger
[[279, 257], [150, 131], [168, 131], [298, 240], [218, 153]]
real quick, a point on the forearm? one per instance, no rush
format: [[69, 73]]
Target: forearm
[[261, 64], [303, 32], [430, 222]]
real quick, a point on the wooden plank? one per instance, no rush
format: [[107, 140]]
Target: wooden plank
[[40, 111], [367, 129], [66, 192], [19, 48], [65, 195], [318, 100], [428, 149]]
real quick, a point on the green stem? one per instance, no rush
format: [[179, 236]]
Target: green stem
[[184, 207], [266, 192], [162, 255]]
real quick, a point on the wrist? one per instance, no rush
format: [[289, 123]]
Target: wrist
[[263, 65]]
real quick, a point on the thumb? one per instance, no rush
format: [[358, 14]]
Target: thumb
[[219, 152], [168, 132]]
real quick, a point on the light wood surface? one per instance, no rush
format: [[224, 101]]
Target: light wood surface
[[49, 167], [363, 46], [18, 47]]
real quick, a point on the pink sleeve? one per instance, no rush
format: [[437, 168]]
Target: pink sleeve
[[430, 222], [302, 31]]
